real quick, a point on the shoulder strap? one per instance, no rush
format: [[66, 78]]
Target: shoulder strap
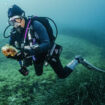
[[44, 20], [29, 22]]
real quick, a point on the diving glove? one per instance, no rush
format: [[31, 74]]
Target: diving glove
[[33, 50], [19, 56]]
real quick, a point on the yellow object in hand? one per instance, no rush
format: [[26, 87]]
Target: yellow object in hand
[[8, 50]]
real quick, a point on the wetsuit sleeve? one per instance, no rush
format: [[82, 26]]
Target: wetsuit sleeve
[[12, 38], [43, 37], [11, 41]]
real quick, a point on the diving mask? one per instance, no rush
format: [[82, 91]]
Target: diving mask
[[15, 21]]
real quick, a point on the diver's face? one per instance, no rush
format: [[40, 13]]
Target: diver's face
[[17, 22], [22, 22]]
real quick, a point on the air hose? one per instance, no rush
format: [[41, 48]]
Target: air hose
[[5, 32], [45, 17], [54, 25]]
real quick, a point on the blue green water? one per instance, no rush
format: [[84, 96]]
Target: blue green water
[[81, 26]]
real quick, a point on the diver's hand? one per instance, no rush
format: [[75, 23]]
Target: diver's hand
[[9, 56], [19, 56], [33, 50]]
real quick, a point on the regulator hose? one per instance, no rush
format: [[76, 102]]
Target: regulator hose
[[5, 32], [54, 25], [45, 17]]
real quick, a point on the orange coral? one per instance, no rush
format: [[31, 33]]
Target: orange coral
[[8, 50]]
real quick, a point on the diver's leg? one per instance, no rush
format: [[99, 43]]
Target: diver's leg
[[58, 68], [38, 66], [72, 64], [27, 62]]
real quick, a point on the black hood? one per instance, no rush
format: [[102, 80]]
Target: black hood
[[15, 10]]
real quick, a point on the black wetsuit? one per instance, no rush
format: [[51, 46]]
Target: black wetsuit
[[40, 35]]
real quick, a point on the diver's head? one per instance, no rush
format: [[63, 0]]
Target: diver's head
[[16, 17]]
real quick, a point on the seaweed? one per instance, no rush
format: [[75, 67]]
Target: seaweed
[[82, 87]]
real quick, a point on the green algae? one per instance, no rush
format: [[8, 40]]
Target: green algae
[[82, 87]]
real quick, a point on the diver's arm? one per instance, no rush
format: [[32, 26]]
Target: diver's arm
[[43, 37], [12, 38], [11, 41], [19, 55]]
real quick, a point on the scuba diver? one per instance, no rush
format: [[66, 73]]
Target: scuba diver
[[33, 37], [36, 43]]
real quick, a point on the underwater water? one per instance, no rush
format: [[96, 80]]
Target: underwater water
[[81, 26]]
